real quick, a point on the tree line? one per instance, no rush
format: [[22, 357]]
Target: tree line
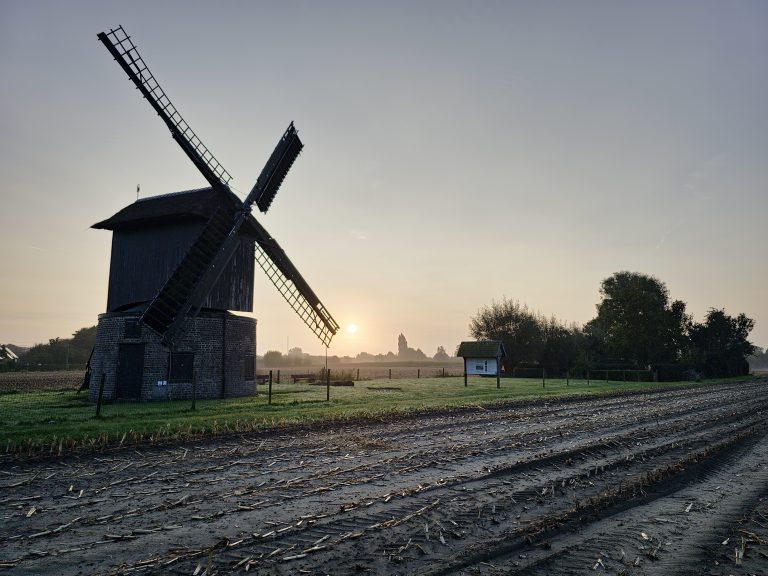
[[296, 357], [637, 327], [57, 353]]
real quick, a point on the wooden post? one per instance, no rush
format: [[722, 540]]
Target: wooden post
[[543, 376], [587, 377], [390, 373], [278, 376], [568, 377], [606, 376], [101, 394], [269, 396], [327, 385], [358, 373], [465, 369], [418, 373], [465, 372]]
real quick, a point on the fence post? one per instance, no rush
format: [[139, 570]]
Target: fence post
[[358, 374], [390, 373], [444, 372], [278, 376], [568, 377], [587, 377], [418, 373], [269, 395], [101, 394], [327, 385], [543, 377]]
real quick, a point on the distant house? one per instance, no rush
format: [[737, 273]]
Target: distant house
[[482, 358], [6, 354]]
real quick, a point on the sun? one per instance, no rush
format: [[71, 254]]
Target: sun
[[351, 328]]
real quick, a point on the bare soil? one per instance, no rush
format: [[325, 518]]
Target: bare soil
[[36, 381], [672, 482]]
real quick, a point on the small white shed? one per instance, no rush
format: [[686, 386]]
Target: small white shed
[[482, 358]]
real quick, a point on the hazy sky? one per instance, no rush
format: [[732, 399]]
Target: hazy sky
[[455, 153]]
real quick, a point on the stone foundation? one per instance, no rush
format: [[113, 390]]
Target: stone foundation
[[215, 353]]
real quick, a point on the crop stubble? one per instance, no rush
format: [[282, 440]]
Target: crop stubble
[[653, 483]]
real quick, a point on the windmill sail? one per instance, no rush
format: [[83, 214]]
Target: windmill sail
[[126, 54], [293, 288], [192, 280]]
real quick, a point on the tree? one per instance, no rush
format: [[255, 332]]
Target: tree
[[60, 353], [273, 358], [513, 324], [406, 353], [720, 343], [402, 346], [635, 321], [441, 354], [560, 349], [758, 360]]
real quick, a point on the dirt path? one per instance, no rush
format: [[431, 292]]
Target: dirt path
[[662, 483]]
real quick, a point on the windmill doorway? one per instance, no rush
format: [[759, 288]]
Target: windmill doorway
[[130, 371]]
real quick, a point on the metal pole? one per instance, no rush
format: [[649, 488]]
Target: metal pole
[[327, 385], [269, 397]]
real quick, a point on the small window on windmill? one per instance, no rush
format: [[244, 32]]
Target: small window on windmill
[[132, 329], [182, 367]]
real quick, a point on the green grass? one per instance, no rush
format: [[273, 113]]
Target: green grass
[[61, 421]]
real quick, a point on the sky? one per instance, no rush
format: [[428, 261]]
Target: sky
[[455, 153]]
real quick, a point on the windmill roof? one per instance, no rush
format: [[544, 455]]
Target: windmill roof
[[481, 349], [198, 203]]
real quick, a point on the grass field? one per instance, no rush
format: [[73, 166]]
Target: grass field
[[61, 421]]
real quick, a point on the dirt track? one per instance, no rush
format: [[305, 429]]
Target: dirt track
[[664, 483]]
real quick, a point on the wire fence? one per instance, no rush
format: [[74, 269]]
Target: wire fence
[[52, 404], [40, 403]]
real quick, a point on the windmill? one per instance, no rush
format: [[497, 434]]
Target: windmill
[[211, 265]]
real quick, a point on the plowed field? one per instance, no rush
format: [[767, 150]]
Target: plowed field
[[670, 482]]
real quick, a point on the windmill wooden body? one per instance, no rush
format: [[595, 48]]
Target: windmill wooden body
[[181, 261]]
